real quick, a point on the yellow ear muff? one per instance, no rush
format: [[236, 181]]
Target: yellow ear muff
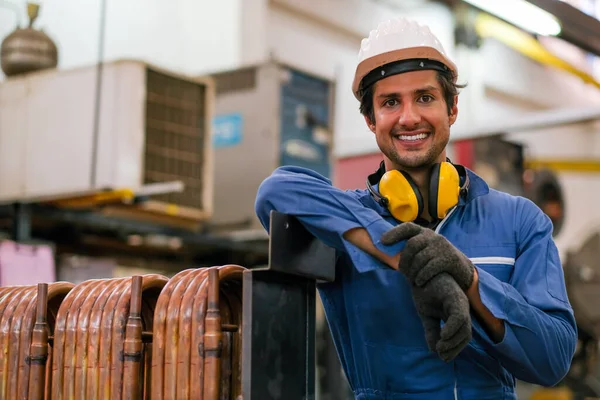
[[405, 202], [444, 189]]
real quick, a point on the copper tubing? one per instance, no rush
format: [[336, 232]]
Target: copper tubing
[[39, 346], [213, 339], [133, 347], [128, 338], [169, 338], [10, 327], [26, 320], [231, 367], [188, 339], [98, 349]]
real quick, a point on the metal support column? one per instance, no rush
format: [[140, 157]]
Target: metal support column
[[278, 354], [21, 222]]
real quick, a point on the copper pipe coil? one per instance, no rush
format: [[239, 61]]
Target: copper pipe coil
[[192, 357], [141, 337], [27, 319], [98, 349]]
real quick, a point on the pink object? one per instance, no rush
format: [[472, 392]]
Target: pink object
[[25, 264], [351, 172]]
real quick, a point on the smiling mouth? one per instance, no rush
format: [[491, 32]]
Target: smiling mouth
[[412, 138]]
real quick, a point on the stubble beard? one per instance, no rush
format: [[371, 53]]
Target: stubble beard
[[416, 160]]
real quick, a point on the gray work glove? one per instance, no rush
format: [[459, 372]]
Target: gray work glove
[[428, 254], [441, 299]]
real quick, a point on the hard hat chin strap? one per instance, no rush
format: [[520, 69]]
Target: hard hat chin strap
[[399, 67]]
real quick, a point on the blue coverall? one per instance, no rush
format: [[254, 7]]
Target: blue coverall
[[369, 308]]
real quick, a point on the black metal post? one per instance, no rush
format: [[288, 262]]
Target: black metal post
[[21, 222], [278, 344]]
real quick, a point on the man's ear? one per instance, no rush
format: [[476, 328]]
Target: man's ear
[[454, 111], [370, 124]]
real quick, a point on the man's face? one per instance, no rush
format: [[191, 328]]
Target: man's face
[[412, 125]]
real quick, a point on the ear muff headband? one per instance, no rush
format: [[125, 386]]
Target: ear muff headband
[[434, 188]]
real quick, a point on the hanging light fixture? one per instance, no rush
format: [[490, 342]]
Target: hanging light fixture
[[522, 14]]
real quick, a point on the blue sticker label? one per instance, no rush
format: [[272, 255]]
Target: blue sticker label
[[227, 130]]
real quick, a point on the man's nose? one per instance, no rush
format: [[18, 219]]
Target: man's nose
[[409, 116]]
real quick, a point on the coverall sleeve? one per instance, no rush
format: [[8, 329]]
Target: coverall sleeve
[[326, 212], [541, 333]]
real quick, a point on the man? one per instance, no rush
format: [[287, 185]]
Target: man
[[444, 287]]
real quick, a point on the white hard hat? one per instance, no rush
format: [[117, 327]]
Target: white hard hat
[[398, 45]]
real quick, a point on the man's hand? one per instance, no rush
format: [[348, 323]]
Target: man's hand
[[441, 299], [428, 254]]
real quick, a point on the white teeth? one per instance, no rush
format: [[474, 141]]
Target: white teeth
[[412, 137]]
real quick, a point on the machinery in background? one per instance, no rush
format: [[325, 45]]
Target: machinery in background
[[582, 274], [114, 157], [266, 116], [543, 188], [68, 133]]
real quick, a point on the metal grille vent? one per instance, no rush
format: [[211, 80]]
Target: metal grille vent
[[175, 136], [232, 81]]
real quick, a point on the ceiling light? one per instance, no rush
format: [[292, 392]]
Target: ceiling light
[[522, 14]]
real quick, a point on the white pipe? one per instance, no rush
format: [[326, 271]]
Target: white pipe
[[533, 121]]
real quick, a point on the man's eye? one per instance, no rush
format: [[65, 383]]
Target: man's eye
[[426, 98], [390, 103]]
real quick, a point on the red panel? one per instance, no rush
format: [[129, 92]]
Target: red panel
[[351, 172], [464, 151]]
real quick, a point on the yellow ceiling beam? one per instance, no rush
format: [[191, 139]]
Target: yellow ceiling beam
[[488, 26]]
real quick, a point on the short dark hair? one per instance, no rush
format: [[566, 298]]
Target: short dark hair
[[445, 79]]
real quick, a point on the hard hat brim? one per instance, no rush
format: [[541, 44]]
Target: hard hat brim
[[369, 64]]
